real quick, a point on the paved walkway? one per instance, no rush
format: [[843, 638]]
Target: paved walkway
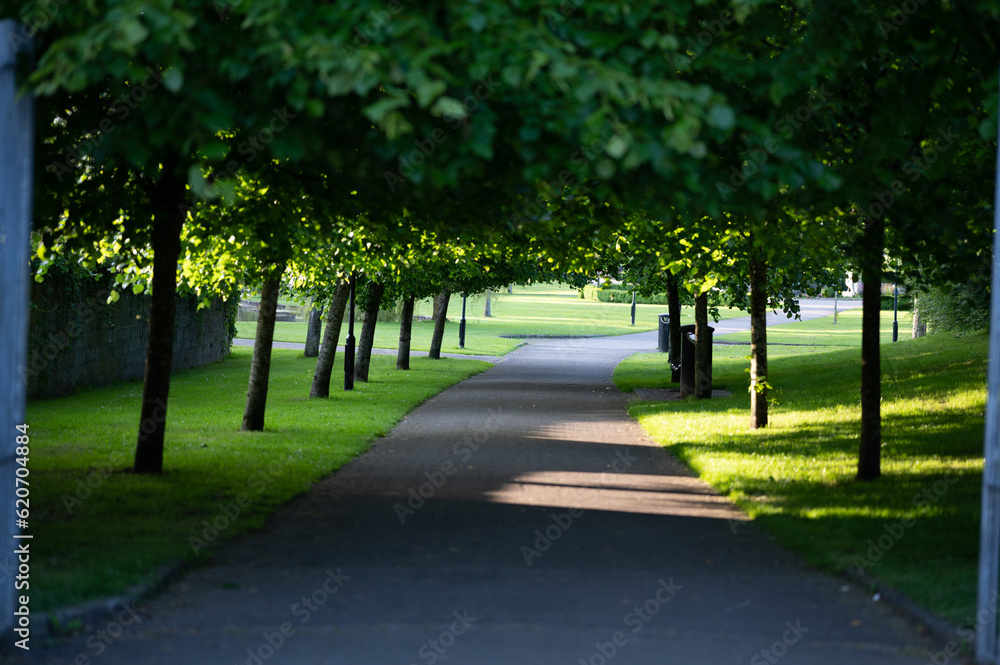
[[519, 517]]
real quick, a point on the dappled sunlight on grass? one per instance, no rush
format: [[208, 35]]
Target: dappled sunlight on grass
[[797, 477]]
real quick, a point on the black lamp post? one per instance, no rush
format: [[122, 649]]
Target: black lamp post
[[349, 344], [895, 307], [461, 324]]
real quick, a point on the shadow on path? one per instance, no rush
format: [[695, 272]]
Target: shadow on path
[[518, 517]]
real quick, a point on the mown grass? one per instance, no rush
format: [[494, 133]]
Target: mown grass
[[917, 528], [99, 529], [539, 309]]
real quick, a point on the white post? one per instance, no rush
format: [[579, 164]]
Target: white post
[[16, 168], [989, 539]]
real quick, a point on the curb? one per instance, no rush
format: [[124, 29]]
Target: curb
[[940, 629], [57, 622]]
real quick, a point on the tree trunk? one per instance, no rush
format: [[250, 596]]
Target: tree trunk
[[488, 311], [260, 366], [870, 449], [919, 325], [313, 332], [331, 335], [170, 212], [758, 344], [702, 349], [405, 328], [367, 339], [436, 306], [442, 315], [674, 311]]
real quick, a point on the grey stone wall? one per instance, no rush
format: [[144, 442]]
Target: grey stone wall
[[77, 340]]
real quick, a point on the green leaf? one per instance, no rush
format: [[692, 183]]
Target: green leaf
[[383, 107], [477, 22], [173, 79], [133, 31], [316, 108], [448, 107], [617, 147], [428, 91], [138, 288], [721, 116]]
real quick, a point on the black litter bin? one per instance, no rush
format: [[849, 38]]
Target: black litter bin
[[687, 358], [663, 338]]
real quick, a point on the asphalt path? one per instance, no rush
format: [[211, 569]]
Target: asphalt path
[[521, 516]]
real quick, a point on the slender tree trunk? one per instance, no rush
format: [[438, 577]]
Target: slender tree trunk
[[702, 349], [436, 306], [758, 344], [919, 325], [170, 212], [260, 367], [674, 311], [488, 311], [870, 449], [367, 339], [442, 315], [313, 332], [405, 330], [331, 335]]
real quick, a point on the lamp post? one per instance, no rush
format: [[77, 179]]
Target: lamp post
[[461, 324], [349, 343], [895, 306]]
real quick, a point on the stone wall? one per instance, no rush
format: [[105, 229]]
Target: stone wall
[[77, 340]]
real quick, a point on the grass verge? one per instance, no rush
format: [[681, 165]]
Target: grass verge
[[98, 529], [539, 309], [796, 477]]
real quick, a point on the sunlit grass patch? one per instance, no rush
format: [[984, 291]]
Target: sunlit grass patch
[[796, 477]]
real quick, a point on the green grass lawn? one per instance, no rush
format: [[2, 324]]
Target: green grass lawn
[[917, 528], [539, 309], [99, 529]]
